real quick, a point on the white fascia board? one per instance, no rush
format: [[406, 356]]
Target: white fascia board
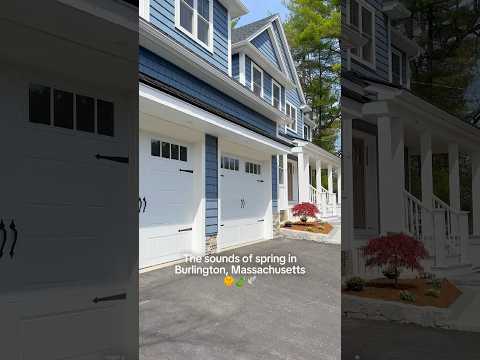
[[316, 152], [249, 49], [120, 13], [290, 60], [159, 43], [236, 7], [205, 120]]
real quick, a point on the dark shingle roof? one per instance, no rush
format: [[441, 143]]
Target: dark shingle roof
[[245, 31]]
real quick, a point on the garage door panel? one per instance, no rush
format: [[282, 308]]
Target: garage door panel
[[156, 248]]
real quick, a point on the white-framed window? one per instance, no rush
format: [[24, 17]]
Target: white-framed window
[[307, 132], [167, 150], [361, 17], [195, 18], [252, 168], [280, 170], [229, 163], [256, 80], [276, 95], [397, 67], [291, 112]]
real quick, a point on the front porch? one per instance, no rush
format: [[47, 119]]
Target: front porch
[[310, 174], [393, 150]]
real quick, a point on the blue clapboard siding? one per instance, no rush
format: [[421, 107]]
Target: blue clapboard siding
[[211, 185], [284, 50], [274, 184], [168, 73], [264, 44], [381, 68], [236, 67], [162, 16]]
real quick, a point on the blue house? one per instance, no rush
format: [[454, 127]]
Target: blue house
[[225, 132], [386, 129]]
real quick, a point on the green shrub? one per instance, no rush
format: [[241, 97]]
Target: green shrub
[[355, 284], [433, 292], [406, 295], [436, 284], [288, 224], [391, 273]]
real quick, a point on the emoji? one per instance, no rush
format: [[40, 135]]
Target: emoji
[[252, 280], [228, 280], [240, 282]]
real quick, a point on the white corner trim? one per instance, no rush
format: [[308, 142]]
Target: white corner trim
[[241, 68], [229, 44], [144, 9], [194, 35], [207, 118]]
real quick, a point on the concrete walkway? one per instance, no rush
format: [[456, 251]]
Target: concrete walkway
[[465, 313]]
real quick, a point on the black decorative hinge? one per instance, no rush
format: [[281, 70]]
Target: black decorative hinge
[[262, 220], [122, 296], [260, 181], [183, 230], [119, 159], [188, 171], [4, 232]]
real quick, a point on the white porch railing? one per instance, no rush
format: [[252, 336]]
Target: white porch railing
[[325, 201], [443, 230]]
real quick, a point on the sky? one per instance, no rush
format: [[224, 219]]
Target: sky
[[260, 9]]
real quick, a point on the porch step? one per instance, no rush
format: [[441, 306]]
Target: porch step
[[452, 271]]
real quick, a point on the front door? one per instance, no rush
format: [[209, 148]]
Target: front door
[[359, 183], [290, 173]]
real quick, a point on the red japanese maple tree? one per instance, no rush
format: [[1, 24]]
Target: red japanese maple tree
[[394, 252], [305, 210]]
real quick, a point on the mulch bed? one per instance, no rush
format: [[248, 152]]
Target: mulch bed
[[383, 289], [313, 227]]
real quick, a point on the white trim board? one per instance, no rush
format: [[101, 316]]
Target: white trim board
[[211, 123]]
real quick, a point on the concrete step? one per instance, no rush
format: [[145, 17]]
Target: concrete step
[[452, 271]]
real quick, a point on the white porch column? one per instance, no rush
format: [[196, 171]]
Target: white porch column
[[347, 169], [303, 177], [426, 157], [391, 170], [330, 178], [454, 176], [318, 174], [339, 185], [476, 192]]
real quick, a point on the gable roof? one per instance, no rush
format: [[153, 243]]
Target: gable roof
[[246, 31]]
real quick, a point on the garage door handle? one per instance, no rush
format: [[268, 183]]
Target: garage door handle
[[122, 296], [15, 236], [183, 230], [139, 204], [144, 204], [260, 181], [119, 159], [261, 220], [188, 171], [4, 232]]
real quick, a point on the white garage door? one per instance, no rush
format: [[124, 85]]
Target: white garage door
[[65, 233], [243, 201], [166, 199]]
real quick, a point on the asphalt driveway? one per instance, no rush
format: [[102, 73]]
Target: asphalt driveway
[[295, 317]]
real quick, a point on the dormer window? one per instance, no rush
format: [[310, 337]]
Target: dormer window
[[362, 18], [194, 18], [257, 80], [276, 95]]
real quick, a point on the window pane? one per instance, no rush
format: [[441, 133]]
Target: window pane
[[105, 117], [276, 96], [237, 163], [232, 164], [367, 51], [85, 113], [186, 16], [165, 150], [203, 31], [204, 9], [63, 109], [183, 153], [354, 13], [155, 148], [39, 104], [189, 2], [175, 152], [367, 27], [259, 169], [257, 82]]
